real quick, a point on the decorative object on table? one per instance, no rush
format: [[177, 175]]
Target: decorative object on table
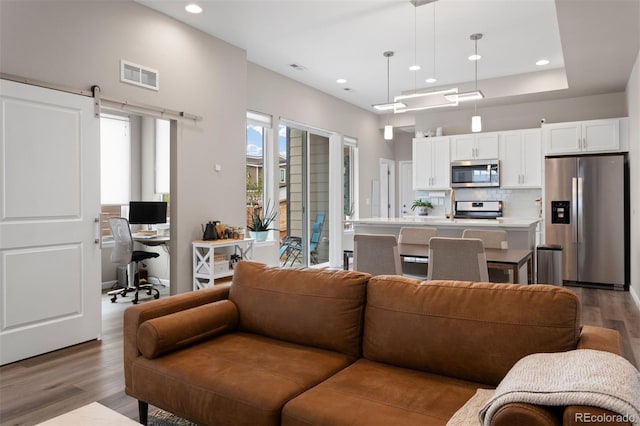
[[422, 206], [209, 231], [261, 220], [233, 259]]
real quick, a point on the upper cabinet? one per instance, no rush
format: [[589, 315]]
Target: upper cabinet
[[431, 163], [480, 146], [521, 158], [593, 136]]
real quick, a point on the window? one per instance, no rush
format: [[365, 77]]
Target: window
[[115, 160], [349, 177], [163, 135], [258, 126]]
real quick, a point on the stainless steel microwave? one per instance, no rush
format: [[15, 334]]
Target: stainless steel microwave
[[476, 173]]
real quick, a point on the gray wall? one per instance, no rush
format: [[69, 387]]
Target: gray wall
[[79, 44]]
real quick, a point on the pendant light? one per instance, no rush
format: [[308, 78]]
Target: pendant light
[[433, 78], [388, 129], [476, 120], [388, 105], [474, 94]]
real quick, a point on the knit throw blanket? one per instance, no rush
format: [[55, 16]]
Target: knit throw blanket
[[578, 377]]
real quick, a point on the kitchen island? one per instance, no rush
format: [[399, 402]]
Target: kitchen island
[[521, 232]]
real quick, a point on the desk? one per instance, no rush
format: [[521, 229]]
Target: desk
[[506, 259], [151, 240]]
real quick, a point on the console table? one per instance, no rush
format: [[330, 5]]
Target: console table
[[212, 259]]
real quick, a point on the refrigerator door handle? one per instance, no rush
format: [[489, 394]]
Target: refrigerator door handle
[[574, 209], [580, 225]]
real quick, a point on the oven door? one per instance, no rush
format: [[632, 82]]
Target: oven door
[[482, 173]]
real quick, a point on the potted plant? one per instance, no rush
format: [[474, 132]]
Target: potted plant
[[422, 206], [261, 220]]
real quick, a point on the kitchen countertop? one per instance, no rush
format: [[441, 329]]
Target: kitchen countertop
[[441, 221]]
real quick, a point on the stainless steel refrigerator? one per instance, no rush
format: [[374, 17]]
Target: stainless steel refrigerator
[[585, 202]]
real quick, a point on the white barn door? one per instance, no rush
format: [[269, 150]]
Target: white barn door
[[49, 200]]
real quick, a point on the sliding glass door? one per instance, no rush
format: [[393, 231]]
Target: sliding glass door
[[304, 197]]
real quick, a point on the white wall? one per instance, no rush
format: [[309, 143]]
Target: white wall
[[79, 44], [272, 93], [633, 105]]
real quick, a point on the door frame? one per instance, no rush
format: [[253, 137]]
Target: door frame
[[387, 183]]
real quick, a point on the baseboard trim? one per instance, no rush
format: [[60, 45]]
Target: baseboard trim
[[106, 285], [635, 296]]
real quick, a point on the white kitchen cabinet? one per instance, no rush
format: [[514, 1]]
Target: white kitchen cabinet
[[590, 136], [479, 146], [521, 158], [431, 158]]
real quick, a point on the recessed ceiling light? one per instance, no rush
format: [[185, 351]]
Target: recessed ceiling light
[[431, 80], [542, 62], [474, 57], [341, 81], [415, 67], [193, 8]]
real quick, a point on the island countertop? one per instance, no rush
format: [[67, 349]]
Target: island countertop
[[521, 232], [441, 221]]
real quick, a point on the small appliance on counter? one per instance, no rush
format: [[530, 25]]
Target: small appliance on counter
[[478, 209]]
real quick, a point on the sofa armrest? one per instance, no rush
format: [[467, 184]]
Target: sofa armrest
[[169, 333], [601, 339], [135, 315], [522, 414]]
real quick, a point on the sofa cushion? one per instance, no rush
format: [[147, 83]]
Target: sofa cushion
[[171, 332], [313, 307], [471, 331], [234, 379], [371, 393]]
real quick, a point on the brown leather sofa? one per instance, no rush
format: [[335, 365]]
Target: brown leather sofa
[[311, 347]]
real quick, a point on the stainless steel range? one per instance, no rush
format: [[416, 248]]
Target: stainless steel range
[[478, 209]]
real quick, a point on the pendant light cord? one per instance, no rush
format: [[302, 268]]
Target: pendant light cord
[[387, 79]]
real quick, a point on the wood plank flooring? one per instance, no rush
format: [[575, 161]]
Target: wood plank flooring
[[46, 386]]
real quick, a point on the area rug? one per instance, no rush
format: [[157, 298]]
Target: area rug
[[164, 418]]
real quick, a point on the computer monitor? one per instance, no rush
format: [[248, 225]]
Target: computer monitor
[[147, 212]]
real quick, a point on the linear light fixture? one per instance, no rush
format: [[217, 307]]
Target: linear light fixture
[[476, 94], [425, 100], [388, 106], [465, 96]]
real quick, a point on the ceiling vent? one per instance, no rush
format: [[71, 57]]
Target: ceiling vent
[[138, 75], [297, 67]]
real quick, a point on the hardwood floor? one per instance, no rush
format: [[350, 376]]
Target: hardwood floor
[[46, 386]]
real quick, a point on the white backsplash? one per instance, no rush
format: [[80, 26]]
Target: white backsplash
[[516, 203]]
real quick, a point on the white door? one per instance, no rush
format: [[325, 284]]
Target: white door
[[407, 195], [49, 199]]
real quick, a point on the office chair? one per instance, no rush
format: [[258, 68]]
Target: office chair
[[123, 254]]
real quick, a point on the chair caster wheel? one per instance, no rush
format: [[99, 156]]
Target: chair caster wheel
[[156, 296], [113, 299]]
